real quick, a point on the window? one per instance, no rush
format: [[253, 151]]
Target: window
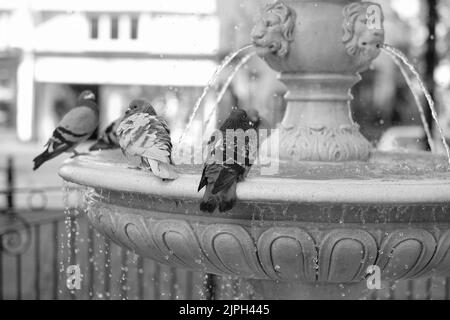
[[93, 21], [134, 28], [114, 28]]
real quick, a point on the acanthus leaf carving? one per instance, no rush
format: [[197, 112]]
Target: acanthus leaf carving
[[324, 143]]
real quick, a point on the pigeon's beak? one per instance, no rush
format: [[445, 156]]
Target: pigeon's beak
[[264, 124], [252, 116], [90, 96]]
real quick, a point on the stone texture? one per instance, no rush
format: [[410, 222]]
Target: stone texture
[[305, 252]]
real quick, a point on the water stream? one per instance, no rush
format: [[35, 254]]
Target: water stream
[[227, 85], [416, 98], [398, 54], [228, 59]]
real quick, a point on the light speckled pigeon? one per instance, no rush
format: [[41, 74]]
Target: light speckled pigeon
[[144, 134], [74, 128]]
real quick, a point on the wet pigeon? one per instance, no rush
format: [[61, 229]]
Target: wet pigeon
[[228, 162], [74, 128], [144, 134]]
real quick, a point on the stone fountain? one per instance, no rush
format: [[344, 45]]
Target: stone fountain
[[336, 207]]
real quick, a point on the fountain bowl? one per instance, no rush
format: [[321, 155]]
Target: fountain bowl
[[317, 224]]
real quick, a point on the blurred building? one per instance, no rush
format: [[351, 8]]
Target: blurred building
[[50, 50]]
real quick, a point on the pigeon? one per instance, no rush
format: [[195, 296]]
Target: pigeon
[[222, 173], [144, 134], [108, 140], [74, 128]]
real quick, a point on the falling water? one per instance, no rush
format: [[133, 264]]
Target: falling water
[[427, 94], [416, 98], [71, 211], [216, 74], [227, 84]]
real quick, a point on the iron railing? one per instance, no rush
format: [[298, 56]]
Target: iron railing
[[37, 244]]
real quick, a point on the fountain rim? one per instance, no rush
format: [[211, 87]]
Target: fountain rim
[[85, 171]]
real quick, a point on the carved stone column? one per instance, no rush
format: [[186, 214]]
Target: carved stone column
[[319, 48]]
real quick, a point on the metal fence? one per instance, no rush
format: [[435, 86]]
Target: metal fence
[[37, 244]]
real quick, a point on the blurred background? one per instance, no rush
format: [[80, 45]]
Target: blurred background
[[166, 51]]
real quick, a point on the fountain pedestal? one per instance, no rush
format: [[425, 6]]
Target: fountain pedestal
[[319, 47], [317, 125]]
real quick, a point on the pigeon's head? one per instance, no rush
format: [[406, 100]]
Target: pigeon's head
[[249, 119], [256, 121], [238, 119], [87, 95], [138, 106]]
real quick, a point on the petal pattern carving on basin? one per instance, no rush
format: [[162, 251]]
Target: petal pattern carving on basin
[[305, 240], [308, 253]]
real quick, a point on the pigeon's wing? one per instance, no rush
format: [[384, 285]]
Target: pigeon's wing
[[216, 151], [210, 174], [146, 136], [220, 168], [229, 174], [75, 127], [214, 160], [79, 122], [62, 140]]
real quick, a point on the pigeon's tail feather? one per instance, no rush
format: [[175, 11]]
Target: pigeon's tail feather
[[44, 157], [209, 202], [227, 198], [163, 170]]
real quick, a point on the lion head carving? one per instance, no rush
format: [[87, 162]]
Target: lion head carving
[[274, 31], [363, 31]]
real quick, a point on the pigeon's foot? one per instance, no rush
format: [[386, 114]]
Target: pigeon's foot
[[208, 206], [225, 206]]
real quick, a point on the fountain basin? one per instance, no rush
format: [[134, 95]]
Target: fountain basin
[[322, 223]]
